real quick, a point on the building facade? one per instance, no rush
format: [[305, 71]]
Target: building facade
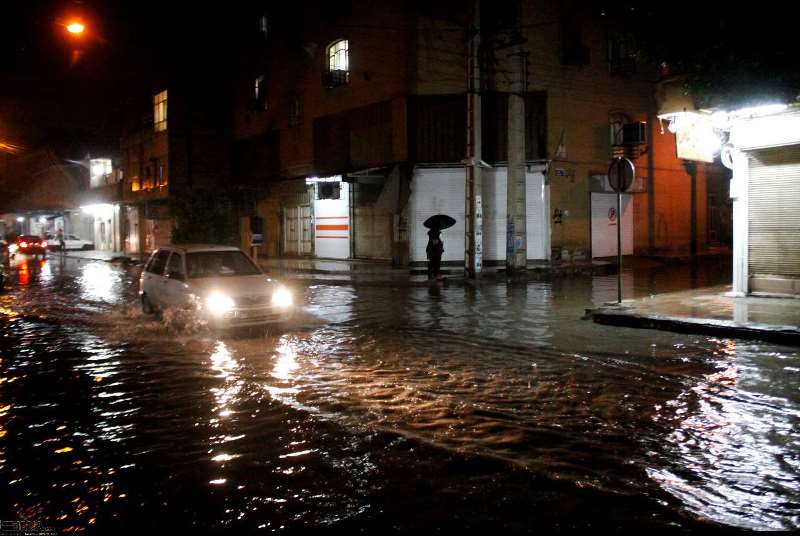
[[764, 153], [181, 145]]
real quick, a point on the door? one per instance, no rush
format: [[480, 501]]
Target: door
[[174, 280], [153, 280], [604, 225], [307, 238], [298, 231], [291, 242]]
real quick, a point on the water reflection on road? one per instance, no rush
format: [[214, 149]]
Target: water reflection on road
[[383, 406]]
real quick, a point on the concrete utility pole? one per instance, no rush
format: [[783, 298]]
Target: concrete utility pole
[[516, 227], [473, 210]]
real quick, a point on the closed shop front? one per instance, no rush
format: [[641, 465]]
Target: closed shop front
[[774, 220], [441, 191]]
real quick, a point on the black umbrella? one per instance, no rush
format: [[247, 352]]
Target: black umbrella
[[439, 221]]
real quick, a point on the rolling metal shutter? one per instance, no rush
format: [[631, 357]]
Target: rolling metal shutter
[[774, 214]]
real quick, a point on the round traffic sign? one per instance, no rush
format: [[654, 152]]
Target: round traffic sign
[[621, 173]]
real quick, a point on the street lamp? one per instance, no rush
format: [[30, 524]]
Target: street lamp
[[76, 27]]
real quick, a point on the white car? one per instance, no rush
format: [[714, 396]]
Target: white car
[[221, 282], [70, 242]]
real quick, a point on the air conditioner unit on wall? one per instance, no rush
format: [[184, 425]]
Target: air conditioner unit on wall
[[634, 133]]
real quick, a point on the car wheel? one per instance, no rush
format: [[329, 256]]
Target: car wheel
[[87, 247]]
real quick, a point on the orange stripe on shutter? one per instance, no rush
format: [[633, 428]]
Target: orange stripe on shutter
[[332, 227]]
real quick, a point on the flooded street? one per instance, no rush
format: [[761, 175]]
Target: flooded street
[[394, 408]]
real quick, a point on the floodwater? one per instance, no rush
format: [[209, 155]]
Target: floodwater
[[388, 408]]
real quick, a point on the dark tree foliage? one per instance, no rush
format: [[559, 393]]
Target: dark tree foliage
[[731, 54], [203, 217]]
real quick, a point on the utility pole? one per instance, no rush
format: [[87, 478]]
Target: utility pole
[[473, 210], [516, 227]]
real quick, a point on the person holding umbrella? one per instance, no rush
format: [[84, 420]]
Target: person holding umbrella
[[435, 246]]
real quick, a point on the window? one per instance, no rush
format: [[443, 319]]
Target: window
[[219, 264], [157, 262], [295, 110], [161, 175], [135, 184], [175, 267], [328, 190], [260, 93], [263, 25], [338, 72], [621, 54], [148, 179], [573, 49], [160, 111]]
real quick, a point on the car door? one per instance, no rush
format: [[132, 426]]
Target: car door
[[175, 289], [154, 282]]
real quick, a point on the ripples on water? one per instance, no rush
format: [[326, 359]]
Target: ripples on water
[[405, 406]]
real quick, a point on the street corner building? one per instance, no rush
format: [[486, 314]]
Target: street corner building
[[352, 128]]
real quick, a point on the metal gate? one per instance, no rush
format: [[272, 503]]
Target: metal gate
[[774, 220], [298, 237]]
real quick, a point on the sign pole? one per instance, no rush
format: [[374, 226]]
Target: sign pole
[[619, 246], [621, 174]]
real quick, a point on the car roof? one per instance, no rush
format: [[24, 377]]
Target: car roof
[[29, 237], [195, 248]]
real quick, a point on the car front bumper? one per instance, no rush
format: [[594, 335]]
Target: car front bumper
[[251, 316]]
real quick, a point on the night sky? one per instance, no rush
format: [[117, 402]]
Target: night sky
[[76, 93]]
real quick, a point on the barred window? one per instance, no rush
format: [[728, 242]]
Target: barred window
[[160, 111], [338, 72]]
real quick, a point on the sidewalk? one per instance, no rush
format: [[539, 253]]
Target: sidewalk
[[366, 271], [709, 311], [98, 255]]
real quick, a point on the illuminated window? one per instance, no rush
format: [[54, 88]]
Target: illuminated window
[[338, 72], [148, 179], [135, 184], [160, 111], [161, 175], [260, 93]]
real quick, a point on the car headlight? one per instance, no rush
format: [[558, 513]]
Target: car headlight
[[282, 297], [218, 303]]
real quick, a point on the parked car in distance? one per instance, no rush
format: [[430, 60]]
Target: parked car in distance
[[70, 242], [222, 283], [28, 245]]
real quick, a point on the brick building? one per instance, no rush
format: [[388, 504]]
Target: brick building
[[350, 129]]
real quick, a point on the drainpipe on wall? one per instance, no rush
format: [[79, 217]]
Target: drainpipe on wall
[[691, 169]]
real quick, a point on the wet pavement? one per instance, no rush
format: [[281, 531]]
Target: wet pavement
[[388, 407], [710, 310]]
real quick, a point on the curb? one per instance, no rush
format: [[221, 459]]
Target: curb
[[788, 335]]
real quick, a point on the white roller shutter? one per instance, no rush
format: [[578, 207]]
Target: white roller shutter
[[774, 217], [441, 191], [437, 191]]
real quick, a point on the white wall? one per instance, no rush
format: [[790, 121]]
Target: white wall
[[441, 191], [604, 229]]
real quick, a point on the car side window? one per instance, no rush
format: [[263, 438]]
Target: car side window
[[175, 267], [159, 262]]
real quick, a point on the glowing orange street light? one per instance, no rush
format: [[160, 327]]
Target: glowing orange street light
[[76, 28]]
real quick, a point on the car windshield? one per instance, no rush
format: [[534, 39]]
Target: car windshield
[[29, 238], [219, 264]]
